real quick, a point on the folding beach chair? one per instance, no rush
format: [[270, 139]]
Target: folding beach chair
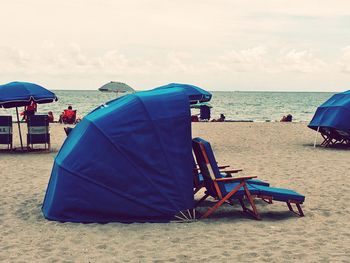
[[38, 131], [331, 136], [6, 131], [259, 189], [345, 136]]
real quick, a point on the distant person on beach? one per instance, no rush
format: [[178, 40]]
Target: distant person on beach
[[287, 118], [68, 116], [221, 119], [50, 116], [194, 118], [29, 110]]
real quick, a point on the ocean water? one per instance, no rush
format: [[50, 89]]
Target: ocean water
[[247, 106]]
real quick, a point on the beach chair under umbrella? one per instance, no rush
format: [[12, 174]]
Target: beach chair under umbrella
[[19, 94], [129, 160], [332, 120]]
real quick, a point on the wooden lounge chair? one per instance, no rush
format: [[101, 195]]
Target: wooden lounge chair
[[6, 131], [198, 180], [206, 160], [224, 172], [38, 131], [223, 189]]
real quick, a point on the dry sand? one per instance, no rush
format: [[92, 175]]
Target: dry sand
[[280, 153]]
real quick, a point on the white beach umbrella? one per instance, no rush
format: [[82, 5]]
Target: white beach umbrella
[[117, 87]]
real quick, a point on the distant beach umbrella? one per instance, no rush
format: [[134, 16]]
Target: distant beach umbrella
[[333, 114], [194, 93], [18, 94], [117, 87]]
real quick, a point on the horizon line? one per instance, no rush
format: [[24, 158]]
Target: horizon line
[[295, 91]]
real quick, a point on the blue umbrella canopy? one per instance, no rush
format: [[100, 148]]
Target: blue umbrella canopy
[[19, 94], [194, 93], [127, 161], [334, 113]]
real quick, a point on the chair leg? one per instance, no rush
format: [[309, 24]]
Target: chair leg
[[267, 199], [300, 210], [223, 200], [244, 208], [253, 212]]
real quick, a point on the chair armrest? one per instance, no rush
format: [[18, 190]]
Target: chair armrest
[[231, 171], [231, 179], [223, 166]]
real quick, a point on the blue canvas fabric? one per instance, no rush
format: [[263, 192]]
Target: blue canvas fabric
[[18, 94], [334, 113], [194, 93], [129, 161], [279, 194], [228, 187]]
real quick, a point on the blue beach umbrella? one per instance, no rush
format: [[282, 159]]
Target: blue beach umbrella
[[18, 94], [194, 93], [129, 160], [117, 87], [334, 113]]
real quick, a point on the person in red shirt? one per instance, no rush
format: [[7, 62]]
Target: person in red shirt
[[68, 116], [30, 110]]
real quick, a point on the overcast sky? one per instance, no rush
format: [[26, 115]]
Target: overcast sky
[[275, 45]]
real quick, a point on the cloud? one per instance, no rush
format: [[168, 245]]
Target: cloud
[[73, 64], [245, 60], [303, 61], [73, 60], [344, 61]]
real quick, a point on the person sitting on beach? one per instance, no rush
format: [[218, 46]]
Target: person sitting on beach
[[287, 118], [50, 116], [221, 119], [68, 116], [194, 118], [29, 110]]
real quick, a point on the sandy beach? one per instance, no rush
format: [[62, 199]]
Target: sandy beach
[[280, 153]]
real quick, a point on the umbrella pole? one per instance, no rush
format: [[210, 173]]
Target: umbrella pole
[[19, 128], [318, 129]]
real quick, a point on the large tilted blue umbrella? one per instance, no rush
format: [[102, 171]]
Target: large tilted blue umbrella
[[194, 93], [334, 113], [129, 160], [18, 94]]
